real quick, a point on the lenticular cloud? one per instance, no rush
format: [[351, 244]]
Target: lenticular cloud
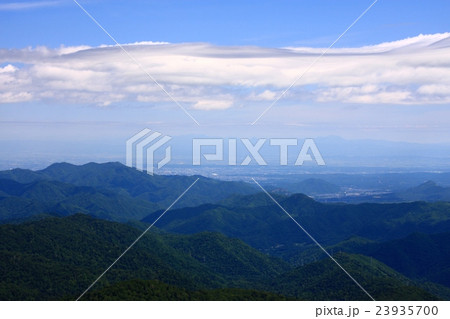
[[207, 77]]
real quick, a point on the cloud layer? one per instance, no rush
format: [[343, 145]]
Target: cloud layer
[[207, 77], [15, 6]]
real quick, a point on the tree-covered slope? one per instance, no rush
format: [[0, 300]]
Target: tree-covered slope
[[422, 257], [428, 191], [154, 290], [268, 227], [111, 191], [418, 255], [58, 258], [161, 189], [324, 280], [45, 197]]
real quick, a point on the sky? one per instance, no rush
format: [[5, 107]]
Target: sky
[[214, 68]]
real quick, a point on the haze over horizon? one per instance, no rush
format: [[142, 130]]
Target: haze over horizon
[[64, 84]]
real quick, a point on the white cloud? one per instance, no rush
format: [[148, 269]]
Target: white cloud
[[266, 95], [14, 6], [435, 89], [10, 97], [368, 94], [13, 86], [212, 105], [207, 77]]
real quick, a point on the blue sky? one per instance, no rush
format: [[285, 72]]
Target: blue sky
[[261, 23], [63, 79]]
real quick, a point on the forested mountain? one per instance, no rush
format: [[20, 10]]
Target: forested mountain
[[64, 225], [45, 197], [57, 258], [393, 182], [139, 289], [268, 226], [419, 256], [110, 191], [159, 189], [428, 191], [324, 280]]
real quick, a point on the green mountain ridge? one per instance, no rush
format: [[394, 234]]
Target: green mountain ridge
[[324, 280], [428, 191], [79, 248], [225, 241], [266, 227], [159, 189], [146, 290], [44, 197], [422, 257], [58, 258], [110, 191]]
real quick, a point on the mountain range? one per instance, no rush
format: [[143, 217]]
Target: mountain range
[[110, 191], [64, 225], [57, 258]]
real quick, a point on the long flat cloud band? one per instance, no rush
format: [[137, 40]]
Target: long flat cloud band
[[207, 77]]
